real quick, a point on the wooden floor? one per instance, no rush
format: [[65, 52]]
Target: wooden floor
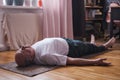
[[70, 72]]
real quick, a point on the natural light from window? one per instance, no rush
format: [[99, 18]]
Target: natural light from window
[[24, 3]]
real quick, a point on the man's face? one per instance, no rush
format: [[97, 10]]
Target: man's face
[[24, 56]]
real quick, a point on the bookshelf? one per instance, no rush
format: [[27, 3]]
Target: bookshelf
[[94, 16]]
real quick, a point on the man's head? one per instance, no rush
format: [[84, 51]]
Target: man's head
[[24, 56]]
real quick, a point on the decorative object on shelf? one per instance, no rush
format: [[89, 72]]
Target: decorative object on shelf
[[27, 2], [9, 2], [35, 3], [93, 2], [40, 3], [89, 2], [1, 2], [18, 2]]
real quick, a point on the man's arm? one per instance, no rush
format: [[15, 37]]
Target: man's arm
[[86, 62]]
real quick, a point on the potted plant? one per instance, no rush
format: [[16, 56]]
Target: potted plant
[[9, 2], [19, 2]]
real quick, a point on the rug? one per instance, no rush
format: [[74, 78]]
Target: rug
[[28, 71]]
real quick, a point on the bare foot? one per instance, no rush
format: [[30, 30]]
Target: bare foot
[[92, 39], [110, 43]]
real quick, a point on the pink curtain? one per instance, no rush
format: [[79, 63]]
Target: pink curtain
[[57, 18]]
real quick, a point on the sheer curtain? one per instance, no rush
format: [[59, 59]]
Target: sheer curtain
[[57, 18]]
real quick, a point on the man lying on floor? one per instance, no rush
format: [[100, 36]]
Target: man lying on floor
[[62, 51]]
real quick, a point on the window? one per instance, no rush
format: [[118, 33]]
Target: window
[[21, 3]]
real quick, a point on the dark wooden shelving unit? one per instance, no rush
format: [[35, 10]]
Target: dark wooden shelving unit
[[93, 16]]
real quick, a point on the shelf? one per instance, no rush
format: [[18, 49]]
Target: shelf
[[93, 7], [99, 19], [18, 7], [94, 16]]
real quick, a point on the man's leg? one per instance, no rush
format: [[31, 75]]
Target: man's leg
[[110, 43], [79, 48], [92, 41]]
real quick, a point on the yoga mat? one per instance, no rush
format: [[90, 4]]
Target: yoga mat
[[28, 71]]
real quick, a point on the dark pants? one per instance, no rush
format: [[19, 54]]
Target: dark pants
[[79, 48]]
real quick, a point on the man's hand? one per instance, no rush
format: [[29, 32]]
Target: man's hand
[[100, 62]]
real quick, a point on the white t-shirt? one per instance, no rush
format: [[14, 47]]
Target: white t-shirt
[[51, 51]]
